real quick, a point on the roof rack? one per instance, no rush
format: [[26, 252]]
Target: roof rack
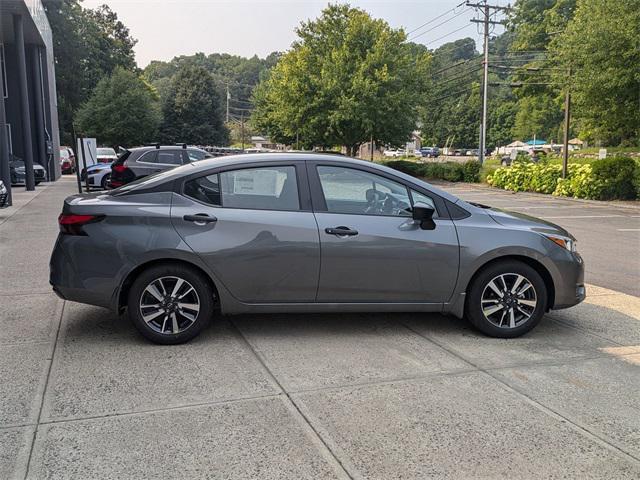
[[157, 145], [183, 145]]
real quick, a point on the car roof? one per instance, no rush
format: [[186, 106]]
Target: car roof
[[241, 159], [163, 147]]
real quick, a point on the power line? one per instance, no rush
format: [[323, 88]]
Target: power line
[[438, 25], [448, 34], [460, 75], [460, 92], [462, 62], [436, 18]]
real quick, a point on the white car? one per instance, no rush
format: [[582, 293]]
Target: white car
[[99, 175], [393, 153]]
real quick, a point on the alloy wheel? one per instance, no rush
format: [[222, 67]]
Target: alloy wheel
[[169, 305], [509, 300]]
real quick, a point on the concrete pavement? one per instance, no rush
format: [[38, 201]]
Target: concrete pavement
[[82, 395]]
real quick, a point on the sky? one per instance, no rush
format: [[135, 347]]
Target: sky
[[167, 28]]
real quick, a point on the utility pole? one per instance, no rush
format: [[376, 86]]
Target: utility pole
[[567, 119], [242, 129], [228, 98], [485, 10]]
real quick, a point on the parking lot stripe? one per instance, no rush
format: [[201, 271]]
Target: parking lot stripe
[[629, 229]]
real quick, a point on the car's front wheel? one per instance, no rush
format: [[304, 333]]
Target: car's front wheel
[[171, 303], [506, 299], [105, 181]]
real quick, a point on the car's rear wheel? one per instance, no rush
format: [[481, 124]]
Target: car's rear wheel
[[506, 299], [171, 303]]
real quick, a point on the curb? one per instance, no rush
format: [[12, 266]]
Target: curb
[[484, 186]]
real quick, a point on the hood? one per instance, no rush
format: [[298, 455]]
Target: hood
[[526, 222]]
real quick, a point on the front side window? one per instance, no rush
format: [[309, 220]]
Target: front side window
[[264, 188], [352, 191], [418, 197]]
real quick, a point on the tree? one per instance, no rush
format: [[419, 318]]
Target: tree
[[192, 110], [601, 45], [348, 78], [88, 45], [123, 110]]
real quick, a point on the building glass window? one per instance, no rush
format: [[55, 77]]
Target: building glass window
[[3, 72]]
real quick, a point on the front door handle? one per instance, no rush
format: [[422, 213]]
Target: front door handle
[[341, 231], [200, 219]]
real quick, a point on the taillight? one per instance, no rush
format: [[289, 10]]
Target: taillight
[[71, 224], [119, 168]]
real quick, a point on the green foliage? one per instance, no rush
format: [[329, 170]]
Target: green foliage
[[636, 178], [615, 176], [449, 171], [600, 44], [192, 109], [123, 110], [606, 179], [347, 78], [88, 45], [238, 73]]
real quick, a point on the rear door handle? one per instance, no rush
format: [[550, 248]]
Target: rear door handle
[[200, 218], [341, 231]]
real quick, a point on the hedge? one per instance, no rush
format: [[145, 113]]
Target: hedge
[[606, 179], [450, 171]]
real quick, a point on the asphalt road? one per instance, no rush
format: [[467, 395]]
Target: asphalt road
[[608, 233], [348, 396]]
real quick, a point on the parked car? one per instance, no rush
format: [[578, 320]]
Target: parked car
[[306, 233], [4, 195], [99, 175], [142, 161], [67, 160], [106, 155], [18, 172], [394, 153], [432, 152]]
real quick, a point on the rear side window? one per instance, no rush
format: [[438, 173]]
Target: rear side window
[[264, 188], [195, 155], [205, 190], [169, 157]]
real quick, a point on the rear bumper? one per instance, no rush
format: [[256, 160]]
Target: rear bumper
[[68, 283]]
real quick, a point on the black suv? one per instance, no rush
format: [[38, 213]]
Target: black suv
[[142, 161]]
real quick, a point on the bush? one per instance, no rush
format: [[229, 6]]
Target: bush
[[636, 179], [449, 171], [611, 178], [615, 176]]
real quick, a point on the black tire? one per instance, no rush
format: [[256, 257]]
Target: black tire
[[105, 181], [153, 330], [501, 272]]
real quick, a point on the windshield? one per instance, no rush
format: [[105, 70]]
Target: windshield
[[106, 151], [64, 153]]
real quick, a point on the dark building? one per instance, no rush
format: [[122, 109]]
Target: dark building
[[28, 109]]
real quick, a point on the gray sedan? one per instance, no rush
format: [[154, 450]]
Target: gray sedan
[[306, 233]]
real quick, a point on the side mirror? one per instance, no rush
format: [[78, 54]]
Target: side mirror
[[423, 214]]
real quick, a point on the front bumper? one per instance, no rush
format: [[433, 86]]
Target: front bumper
[[569, 287]]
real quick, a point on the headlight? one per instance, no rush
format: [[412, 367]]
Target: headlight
[[564, 242]]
